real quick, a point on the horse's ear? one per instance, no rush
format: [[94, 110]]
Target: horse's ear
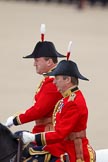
[[1, 124]]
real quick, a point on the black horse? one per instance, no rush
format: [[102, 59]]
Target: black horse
[[10, 146]]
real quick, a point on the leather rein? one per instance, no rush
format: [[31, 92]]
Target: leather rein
[[18, 155]]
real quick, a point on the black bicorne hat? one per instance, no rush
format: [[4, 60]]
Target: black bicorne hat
[[68, 68], [44, 49]]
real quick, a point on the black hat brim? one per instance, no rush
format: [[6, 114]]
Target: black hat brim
[[36, 56], [55, 73], [67, 68]]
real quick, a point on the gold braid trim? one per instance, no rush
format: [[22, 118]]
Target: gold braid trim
[[26, 160], [34, 152], [79, 160], [18, 120], [43, 140], [39, 86], [92, 154], [47, 157], [54, 113]]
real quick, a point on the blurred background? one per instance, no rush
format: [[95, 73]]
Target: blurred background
[[79, 3], [85, 23]]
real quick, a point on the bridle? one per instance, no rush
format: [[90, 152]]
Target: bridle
[[16, 157]]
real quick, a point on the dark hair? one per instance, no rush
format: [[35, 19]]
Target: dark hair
[[74, 80], [54, 59]]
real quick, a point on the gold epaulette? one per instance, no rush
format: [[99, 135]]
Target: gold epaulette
[[72, 97]]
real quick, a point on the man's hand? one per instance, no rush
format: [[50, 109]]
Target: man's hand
[[28, 137], [9, 121]]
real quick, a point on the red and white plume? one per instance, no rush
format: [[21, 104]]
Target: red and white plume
[[42, 30], [69, 50]]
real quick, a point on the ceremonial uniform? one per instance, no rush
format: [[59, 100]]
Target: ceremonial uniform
[[45, 59], [69, 119], [46, 97], [68, 134], [70, 123]]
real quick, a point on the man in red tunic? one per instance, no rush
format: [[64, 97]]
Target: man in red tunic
[[45, 59], [69, 119]]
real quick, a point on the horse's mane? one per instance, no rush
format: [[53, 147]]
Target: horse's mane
[[8, 142], [6, 134], [4, 131]]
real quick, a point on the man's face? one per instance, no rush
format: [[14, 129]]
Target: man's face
[[60, 83], [41, 65]]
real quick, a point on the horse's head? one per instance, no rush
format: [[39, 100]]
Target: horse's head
[[8, 143], [11, 146]]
